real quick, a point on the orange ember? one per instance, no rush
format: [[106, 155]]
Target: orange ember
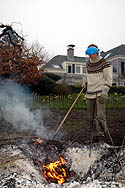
[[56, 171], [39, 141]]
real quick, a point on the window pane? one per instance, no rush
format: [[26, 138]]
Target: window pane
[[121, 83], [73, 68], [114, 84], [77, 68], [114, 69], [69, 69], [122, 67], [83, 69]]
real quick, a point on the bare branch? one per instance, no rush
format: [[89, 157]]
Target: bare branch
[[8, 31]]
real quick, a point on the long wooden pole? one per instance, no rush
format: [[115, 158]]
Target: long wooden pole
[[67, 113], [1, 113]]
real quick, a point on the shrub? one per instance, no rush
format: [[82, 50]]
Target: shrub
[[62, 89], [119, 90], [53, 76], [75, 89], [45, 86]]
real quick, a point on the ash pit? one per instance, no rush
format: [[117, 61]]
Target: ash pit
[[25, 160], [50, 160]]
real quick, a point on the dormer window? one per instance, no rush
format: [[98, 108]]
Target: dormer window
[[83, 69], [75, 68], [78, 69], [70, 68]]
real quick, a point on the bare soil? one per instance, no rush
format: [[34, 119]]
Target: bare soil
[[77, 129]]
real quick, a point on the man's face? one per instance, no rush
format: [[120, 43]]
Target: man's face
[[93, 56]]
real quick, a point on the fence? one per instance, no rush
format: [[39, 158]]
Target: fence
[[65, 102], [59, 102]]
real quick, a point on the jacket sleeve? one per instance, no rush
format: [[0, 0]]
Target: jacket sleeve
[[84, 81], [108, 75]]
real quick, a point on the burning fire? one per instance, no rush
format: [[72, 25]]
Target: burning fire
[[56, 171]]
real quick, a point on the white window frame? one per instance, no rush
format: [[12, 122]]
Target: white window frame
[[67, 65], [78, 66], [121, 83], [83, 66], [71, 65]]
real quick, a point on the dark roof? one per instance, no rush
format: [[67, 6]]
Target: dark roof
[[59, 59], [119, 50]]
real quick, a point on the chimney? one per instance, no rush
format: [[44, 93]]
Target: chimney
[[70, 52]]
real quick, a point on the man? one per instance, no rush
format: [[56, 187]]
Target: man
[[98, 81]]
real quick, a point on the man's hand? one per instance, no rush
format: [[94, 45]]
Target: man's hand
[[84, 84], [104, 94], [105, 91]]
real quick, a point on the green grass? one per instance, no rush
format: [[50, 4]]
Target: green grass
[[116, 101], [65, 102]]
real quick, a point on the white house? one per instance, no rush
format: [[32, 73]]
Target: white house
[[116, 57], [72, 68]]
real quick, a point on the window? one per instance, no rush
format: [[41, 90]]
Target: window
[[77, 68], [83, 69], [71, 68], [56, 66], [114, 69], [121, 84], [114, 84], [122, 67]]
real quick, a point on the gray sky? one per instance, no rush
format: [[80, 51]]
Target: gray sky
[[57, 23]]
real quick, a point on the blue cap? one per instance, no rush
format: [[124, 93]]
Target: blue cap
[[91, 50]]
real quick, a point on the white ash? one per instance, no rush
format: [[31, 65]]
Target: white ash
[[81, 158], [22, 173]]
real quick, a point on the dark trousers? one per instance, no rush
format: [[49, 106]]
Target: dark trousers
[[97, 116]]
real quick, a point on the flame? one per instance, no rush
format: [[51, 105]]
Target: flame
[[56, 171]]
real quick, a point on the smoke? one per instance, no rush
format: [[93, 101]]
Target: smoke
[[15, 102]]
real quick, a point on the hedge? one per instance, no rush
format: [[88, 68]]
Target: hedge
[[118, 90], [53, 76], [47, 86]]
